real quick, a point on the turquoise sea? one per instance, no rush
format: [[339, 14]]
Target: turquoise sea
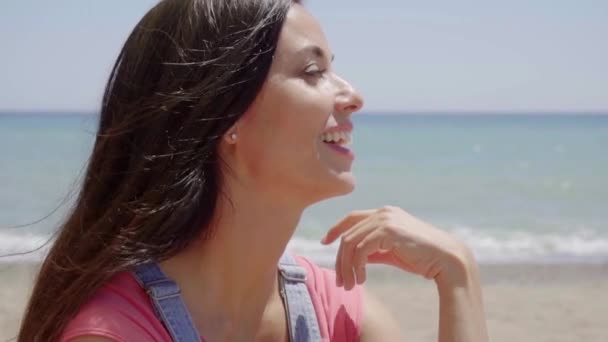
[[516, 188]]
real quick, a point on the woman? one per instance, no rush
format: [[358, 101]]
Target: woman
[[221, 122]]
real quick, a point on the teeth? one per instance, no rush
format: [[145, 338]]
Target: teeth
[[341, 137]]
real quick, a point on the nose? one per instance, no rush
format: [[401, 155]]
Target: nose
[[349, 100]]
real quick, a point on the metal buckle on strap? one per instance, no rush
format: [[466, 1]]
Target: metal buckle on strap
[[157, 297], [163, 289], [297, 278]]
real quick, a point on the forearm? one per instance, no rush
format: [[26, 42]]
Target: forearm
[[461, 312]]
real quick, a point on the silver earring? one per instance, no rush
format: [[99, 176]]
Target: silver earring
[[233, 136]]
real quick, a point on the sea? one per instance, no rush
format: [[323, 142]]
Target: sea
[[517, 188]]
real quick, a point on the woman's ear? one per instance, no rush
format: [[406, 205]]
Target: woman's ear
[[231, 136]]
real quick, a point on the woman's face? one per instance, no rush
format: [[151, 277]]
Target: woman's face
[[293, 140]]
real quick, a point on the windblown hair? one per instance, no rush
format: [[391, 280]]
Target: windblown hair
[[186, 73]]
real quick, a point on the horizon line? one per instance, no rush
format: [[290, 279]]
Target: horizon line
[[364, 112]]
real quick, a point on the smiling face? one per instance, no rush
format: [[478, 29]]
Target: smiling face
[[292, 141]]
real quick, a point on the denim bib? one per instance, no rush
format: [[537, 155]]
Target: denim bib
[[171, 310]]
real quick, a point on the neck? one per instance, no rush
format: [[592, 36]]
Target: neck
[[228, 280]]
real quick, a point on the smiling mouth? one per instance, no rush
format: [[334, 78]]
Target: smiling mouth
[[338, 140], [341, 138]]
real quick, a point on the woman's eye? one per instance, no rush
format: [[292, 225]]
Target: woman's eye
[[314, 71]]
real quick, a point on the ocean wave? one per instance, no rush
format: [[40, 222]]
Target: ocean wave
[[580, 246], [23, 247], [489, 247]]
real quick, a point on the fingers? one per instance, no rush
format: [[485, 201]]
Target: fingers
[[352, 256], [338, 266], [344, 270], [346, 259], [387, 236], [361, 273], [366, 247], [345, 224]]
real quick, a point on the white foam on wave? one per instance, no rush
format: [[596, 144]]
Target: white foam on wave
[[525, 247], [518, 247], [489, 247], [22, 247], [321, 254]]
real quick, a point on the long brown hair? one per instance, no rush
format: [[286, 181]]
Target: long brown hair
[[186, 73]]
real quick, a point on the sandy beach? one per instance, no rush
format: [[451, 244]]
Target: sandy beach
[[551, 303], [540, 303]]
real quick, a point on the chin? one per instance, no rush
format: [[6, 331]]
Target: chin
[[347, 181], [341, 184]]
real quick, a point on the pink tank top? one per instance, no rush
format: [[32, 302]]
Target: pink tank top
[[121, 310]]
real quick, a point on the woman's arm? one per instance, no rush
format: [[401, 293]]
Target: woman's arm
[[461, 313], [391, 236], [378, 323]]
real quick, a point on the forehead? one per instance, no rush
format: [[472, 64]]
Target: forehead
[[300, 31]]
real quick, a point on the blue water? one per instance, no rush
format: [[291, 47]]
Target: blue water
[[516, 188]]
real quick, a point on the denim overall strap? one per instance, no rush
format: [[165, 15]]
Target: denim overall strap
[[168, 304], [302, 319]]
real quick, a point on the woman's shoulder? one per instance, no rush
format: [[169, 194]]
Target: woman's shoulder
[[339, 312], [119, 310]]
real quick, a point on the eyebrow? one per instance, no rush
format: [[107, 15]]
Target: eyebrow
[[315, 50]]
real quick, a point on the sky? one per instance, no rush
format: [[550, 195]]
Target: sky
[[403, 56]]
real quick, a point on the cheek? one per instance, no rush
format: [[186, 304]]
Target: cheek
[[280, 154], [262, 145], [285, 123], [286, 143], [282, 128]]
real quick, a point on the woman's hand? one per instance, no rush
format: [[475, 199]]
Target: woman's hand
[[391, 236]]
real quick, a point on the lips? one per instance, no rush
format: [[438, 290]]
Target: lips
[[338, 137]]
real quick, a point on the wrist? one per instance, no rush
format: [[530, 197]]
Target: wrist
[[460, 270]]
